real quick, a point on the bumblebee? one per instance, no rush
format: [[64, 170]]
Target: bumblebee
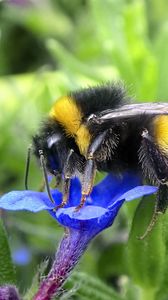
[[99, 128]]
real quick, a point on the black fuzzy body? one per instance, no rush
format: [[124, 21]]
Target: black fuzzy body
[[123, 157], [119, 137], [100, 98]]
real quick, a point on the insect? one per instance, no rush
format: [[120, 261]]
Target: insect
[[99, 128]]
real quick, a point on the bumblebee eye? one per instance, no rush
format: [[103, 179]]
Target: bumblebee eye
[[53, 139]]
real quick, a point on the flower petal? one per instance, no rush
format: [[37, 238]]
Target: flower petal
[[26, 200], [105, 192], [138, 192], [92, 218], [74, 193]]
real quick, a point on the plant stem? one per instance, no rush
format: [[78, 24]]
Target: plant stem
[[68, 254]]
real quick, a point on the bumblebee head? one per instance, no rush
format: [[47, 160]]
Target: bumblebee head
[[51, 140]]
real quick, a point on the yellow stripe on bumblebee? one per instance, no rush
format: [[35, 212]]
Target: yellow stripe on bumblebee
[[69, 115], [161, 131]]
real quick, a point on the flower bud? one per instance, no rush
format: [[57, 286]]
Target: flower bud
[[9, 292]]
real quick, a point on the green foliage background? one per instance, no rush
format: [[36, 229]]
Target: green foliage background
[[47, 48]]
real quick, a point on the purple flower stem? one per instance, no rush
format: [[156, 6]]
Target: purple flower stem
[[68, 254]]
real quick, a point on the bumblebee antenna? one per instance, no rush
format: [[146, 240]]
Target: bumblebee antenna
[[27, 166], [43, 165]]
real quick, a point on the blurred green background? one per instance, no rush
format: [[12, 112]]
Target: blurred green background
[[48, 47]]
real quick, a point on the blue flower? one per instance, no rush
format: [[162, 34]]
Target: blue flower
[[99, 212], [21, 256]]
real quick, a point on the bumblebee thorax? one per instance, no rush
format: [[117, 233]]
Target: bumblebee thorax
[[69, 115]]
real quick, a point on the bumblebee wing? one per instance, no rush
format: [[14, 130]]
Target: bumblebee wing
[[131, 111]]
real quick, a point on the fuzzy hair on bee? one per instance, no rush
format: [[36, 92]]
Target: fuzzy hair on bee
[[101, 129]]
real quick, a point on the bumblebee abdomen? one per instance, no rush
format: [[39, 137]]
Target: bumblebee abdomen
[[161, 132]]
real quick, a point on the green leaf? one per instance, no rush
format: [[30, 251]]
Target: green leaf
[[112, 261], [69, 62], [146, 257], [7, 271], [162, 48], [87, 287], [163, 290]]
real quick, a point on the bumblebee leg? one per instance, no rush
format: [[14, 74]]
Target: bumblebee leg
[[90, 169], [155, 162], [29, 150], [95, 145], [162, 203], [43, 165], [58, 178], [153, 221], [103, 146], [68, 171], [109, 139], [160, 208], [87, 182], [65, 192]]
